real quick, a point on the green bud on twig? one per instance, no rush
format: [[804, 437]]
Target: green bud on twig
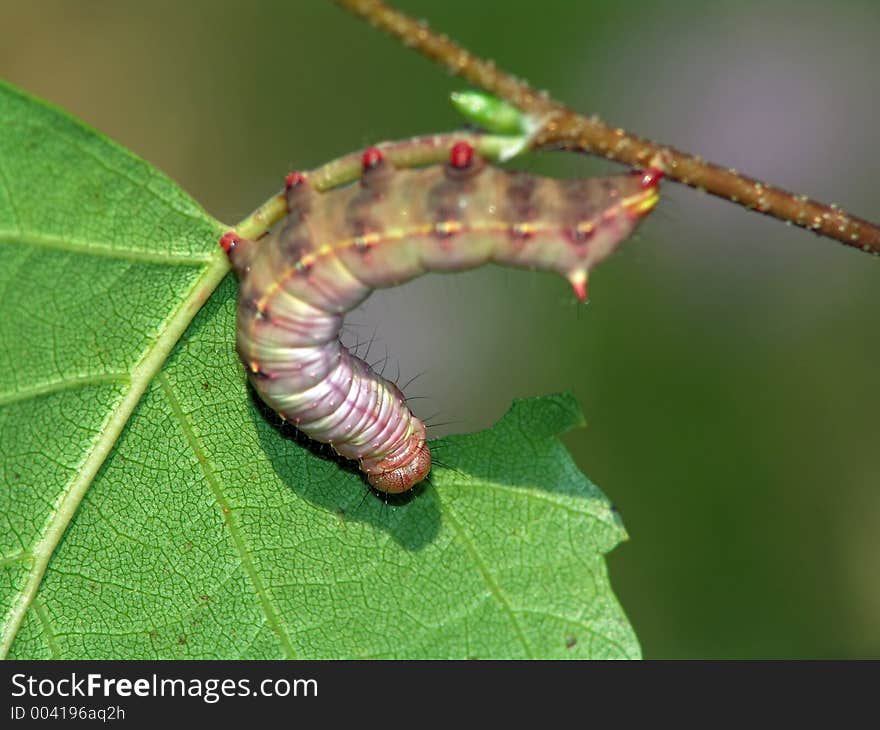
[[490, 113]]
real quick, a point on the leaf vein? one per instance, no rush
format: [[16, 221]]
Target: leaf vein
[[4, 180], [91, 248], [581, 623], [17, 557], [57, 386], [272, 615], [487, 576], [48, 633]]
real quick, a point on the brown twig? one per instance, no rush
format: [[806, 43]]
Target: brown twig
[[567, 129]]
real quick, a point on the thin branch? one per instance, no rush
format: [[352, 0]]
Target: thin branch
[[567, 129]]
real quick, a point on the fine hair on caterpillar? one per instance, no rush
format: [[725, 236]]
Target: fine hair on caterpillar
[[335, 247]]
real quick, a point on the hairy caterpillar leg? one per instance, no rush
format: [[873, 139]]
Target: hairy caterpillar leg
[[334, 248]]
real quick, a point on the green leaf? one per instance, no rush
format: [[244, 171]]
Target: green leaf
[[152, 508]]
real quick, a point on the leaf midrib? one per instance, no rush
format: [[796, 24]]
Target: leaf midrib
[[68, 501]]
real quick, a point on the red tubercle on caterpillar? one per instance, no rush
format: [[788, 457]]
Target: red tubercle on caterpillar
[[371, 158], [461, 155], [228, 242], [639, 205], [294, 179], [651, 177], [578, 281], [298, 192]]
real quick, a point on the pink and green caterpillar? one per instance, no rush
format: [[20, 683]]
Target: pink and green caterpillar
[[334, 248]]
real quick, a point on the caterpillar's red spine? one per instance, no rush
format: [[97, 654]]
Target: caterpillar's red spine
[[335, 247]]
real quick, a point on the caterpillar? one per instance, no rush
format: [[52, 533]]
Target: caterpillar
[[334, 248]]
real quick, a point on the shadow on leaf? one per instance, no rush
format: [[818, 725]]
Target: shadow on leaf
[[325, 480]]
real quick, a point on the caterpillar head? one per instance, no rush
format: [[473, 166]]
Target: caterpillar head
[[403, 468], [404, 477]]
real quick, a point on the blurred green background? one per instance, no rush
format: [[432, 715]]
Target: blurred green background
[[726, 364]]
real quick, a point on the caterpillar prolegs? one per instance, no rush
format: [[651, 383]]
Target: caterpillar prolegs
[[393, 225]]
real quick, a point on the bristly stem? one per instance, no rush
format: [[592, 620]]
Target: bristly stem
[[565, 128]]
